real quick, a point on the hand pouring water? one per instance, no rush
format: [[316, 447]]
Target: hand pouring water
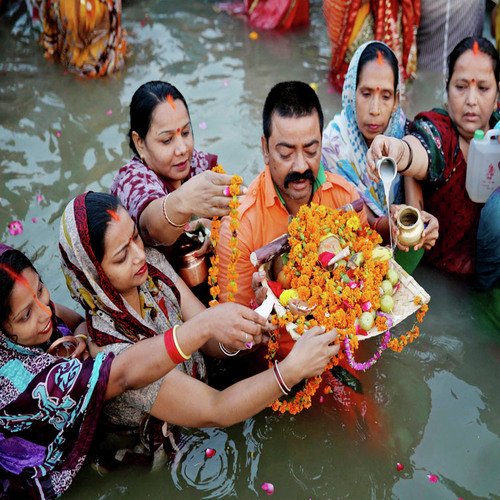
[[387, 171]]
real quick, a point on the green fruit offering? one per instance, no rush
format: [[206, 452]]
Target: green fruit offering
[[366, 321], [392, 276], [386, 286], [386, 303]]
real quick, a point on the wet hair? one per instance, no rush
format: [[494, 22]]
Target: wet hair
[[100, 207], [289, 100], [371, 53], [484, 45], [143, 104], [16, 262]]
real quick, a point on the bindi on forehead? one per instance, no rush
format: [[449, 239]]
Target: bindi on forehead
[[475, 48]]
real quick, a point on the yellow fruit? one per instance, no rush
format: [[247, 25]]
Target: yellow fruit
[[381, 253], [287, 295]]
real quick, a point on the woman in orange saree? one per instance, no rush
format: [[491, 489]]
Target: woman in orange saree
[[84, 35], [351, 23]]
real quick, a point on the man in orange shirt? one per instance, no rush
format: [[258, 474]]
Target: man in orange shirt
[[293, 176]]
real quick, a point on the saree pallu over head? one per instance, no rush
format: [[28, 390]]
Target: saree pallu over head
[[110, 319], [351, 23], [48, 409], [48, 415], [344, 147], [85, 36]]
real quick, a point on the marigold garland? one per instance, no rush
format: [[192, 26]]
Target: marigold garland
[[213, 272], [336, 296]]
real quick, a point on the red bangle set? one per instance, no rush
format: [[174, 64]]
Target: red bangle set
[[172, 351]]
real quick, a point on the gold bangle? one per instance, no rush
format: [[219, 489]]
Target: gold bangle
[[82, 336], [174, 335], [164, 207]]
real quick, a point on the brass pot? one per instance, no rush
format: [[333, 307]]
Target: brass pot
[[193, 270], [64, 347], [410, 225]]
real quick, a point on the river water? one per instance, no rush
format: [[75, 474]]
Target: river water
[[434, 408]]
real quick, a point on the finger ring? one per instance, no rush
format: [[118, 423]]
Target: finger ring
[[246, 337], [248, 345], [227, 191]]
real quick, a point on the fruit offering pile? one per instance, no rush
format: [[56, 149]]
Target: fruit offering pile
[[336, 275]]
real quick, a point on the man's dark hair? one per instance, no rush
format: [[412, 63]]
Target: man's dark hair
[[288, 100]]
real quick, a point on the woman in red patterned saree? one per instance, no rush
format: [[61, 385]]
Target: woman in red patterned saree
[[351, 23]]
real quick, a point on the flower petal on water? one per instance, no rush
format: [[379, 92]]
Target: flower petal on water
[[15, 227], [268, 488]]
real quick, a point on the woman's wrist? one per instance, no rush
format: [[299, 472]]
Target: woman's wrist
[[409, 157], [182, 202], [289, 374], [171, 213]]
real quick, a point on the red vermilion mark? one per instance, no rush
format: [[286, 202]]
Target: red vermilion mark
[[113, 215], [24, 282], [475, 48], [178, 131], [378, 89], [380, 58], [170, 100]]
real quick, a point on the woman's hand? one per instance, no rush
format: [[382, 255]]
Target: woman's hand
[[233, 325], [431, 231], [383, 145], [310, 355], [207, 194], [80, 351], [429, 235], [260, 292], [206, 246]]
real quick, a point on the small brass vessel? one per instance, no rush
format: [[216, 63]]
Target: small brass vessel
[[66, 347], [193, 270], [410, 225]]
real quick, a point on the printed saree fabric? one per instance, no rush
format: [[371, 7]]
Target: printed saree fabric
[[353, 22], [445, 194], [48, 410], [110, 319], [85, 36], [344, 147]]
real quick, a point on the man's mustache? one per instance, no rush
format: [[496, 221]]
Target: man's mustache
[[297, 176]]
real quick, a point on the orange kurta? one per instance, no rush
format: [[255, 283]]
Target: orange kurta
[[263, 217]]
